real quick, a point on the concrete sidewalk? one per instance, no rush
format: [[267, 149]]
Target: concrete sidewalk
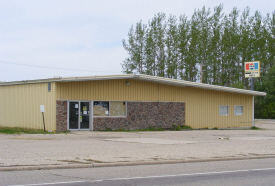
[[94, 149]]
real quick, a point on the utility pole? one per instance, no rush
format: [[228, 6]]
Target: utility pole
[[201, 72]]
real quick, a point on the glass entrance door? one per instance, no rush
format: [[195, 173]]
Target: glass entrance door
[[73, 115], [84, 115], [79, 115]]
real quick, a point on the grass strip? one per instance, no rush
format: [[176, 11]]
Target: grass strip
[[17, 130]]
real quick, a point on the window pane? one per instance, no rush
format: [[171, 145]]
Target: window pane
[[117, 109], [84, 115], [49, 87], [223, 110], [73, 115], [238, 110], [101, 108]]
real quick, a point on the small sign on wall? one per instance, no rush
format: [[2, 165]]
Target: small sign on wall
[[42, 108]]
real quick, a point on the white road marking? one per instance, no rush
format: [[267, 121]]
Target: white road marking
[[52, 183], [146, 177], [191, 174]]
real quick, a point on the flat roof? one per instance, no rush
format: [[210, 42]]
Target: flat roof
[[142, 77]]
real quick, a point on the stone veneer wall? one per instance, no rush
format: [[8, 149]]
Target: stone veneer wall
[[61, 115], [141, 115]]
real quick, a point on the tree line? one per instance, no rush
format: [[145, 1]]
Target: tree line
[[209, 47]]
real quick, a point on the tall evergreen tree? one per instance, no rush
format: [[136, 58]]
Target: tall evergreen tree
[[135, 49], [270, 26], [191, 62], [271, 39], [220, 43], [230, 56], [204, 43], [215, 46], [171, 48], [150, 52], [245, 44], [158, 27], [183, 45], [258, 41]]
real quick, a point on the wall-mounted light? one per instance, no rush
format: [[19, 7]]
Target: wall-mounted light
[[127, 83]]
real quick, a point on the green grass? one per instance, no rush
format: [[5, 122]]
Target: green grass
[[255, 128], [17, 130]]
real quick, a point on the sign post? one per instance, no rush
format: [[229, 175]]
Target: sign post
[[252, 70], [42, 109]]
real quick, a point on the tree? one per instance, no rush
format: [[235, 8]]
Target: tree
[[159, 34], [183, 44], [215, 46], [245, 44], [171, 48], [204, 43], [150, 52], [219, 43], [135, 49], [191, 61], [271, 39], [230, 51], [259, 37], [265, 106]]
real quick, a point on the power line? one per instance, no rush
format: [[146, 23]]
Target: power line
[[37, 66], [4, 72]]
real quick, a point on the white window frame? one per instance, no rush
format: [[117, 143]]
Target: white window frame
[[227, 110], [235, 110]]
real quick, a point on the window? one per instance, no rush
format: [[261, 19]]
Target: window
[[112, 108], [117, 108], [101, 108], [238, 110], [224, 110], [49, 87]]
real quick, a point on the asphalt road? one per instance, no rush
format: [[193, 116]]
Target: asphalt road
[[241, 172]]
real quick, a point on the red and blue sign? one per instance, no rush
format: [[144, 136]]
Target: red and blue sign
[[252, 66], [252, 69]]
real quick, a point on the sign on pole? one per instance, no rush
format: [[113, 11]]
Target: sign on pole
[[252, 69], [42, 109]]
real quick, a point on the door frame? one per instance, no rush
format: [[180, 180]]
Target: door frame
[[90, 114]]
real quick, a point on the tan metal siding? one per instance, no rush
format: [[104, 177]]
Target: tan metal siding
[[202, 105], [202, 109], [108, 90], [20, 106]]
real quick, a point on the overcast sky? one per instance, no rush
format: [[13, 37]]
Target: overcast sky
[[82, 35]]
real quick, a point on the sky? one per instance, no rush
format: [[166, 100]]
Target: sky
[[41, 39]]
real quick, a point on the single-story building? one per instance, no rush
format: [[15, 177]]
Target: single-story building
[[129, 101]]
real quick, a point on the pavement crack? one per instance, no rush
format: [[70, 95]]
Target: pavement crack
[[64, 176]]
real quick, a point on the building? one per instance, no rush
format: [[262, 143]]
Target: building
[[129, 101]]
